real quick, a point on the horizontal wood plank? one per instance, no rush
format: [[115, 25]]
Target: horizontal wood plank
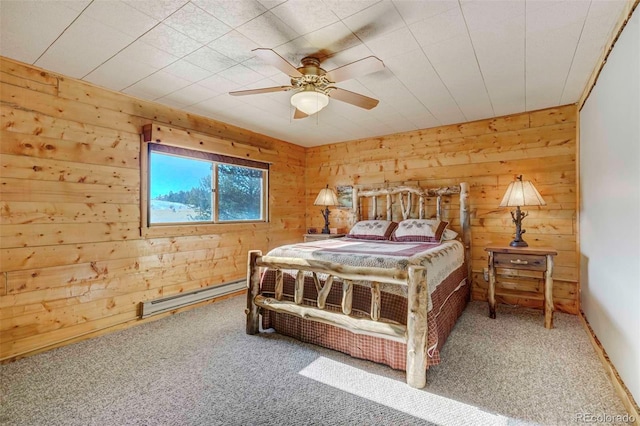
[[26, 72], [67, 192], [21, 258], [17, 212], [40, 147], [32, 235], [34, 169], [28, 122], [38, 86], [54, 106]]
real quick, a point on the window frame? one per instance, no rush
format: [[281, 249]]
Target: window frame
[[200, 152]]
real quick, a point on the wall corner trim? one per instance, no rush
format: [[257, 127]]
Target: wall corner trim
[[623, 392], [593, 79]]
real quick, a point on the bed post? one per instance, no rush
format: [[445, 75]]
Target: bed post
[[356, 204], [374, 205], [253, 283], [417, 305], [465, 223]]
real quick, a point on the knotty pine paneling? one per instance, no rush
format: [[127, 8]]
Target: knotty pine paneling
[[487, 154], [72, 261]]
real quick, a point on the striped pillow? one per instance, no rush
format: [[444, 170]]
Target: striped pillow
[[372, 229], [423, 230]]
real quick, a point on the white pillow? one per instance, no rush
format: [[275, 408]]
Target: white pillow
[[372, 229], [425, 230], [449, 234]]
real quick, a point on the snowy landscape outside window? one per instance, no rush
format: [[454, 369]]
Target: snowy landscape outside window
[[187, 186]]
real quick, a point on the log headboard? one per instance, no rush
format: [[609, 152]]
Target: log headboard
[[407, 198]]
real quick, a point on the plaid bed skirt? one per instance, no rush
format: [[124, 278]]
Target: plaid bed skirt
[[449, 300]]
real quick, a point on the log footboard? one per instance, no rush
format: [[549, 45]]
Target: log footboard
[[414, 334]]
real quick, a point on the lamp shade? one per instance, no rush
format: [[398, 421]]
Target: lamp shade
[[522, 193], [309, 101], [326, 197]]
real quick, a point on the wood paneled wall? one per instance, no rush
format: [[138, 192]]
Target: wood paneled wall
[[72, 261], [540, 145]]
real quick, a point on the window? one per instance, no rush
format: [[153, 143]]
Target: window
[[188, 186]]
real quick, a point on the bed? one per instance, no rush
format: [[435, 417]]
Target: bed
[[389, 292]]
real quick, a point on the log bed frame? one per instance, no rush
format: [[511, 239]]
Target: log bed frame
[[414, 334]]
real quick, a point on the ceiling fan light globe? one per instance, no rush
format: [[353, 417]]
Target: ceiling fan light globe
[[309, 102]]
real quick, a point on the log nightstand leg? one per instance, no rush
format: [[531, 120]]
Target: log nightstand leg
[[548, 294], [492, 288]]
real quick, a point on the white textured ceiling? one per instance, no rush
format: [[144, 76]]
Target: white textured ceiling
[[446, 61]]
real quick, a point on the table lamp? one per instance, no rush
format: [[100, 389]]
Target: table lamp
[[327, 197], [521, 193]]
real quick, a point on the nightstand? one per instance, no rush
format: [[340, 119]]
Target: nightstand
[[319, 237], [523, 258]]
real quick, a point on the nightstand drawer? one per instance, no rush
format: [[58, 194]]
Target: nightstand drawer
[[520, 261]]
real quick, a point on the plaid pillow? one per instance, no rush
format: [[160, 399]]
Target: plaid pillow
[[372, 229], [423, 230]]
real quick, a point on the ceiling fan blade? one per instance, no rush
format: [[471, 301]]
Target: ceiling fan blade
[[299, 114], [263, 90], [355, 69], [353, 98], [275, 60]]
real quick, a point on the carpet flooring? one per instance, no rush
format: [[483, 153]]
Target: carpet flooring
[[200, 368]]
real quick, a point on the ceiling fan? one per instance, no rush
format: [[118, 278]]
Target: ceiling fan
[[313, 84]]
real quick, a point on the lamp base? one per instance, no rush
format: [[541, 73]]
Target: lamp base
[[519, 243], [517, 217], [325, 214]]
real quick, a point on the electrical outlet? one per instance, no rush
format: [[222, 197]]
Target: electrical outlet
[[485, 274]]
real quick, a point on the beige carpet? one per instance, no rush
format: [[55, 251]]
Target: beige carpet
[[200, 368]]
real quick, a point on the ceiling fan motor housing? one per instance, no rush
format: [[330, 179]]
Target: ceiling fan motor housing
[[311, 66]]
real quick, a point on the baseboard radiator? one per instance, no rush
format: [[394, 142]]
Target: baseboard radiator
[[165, 304]]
